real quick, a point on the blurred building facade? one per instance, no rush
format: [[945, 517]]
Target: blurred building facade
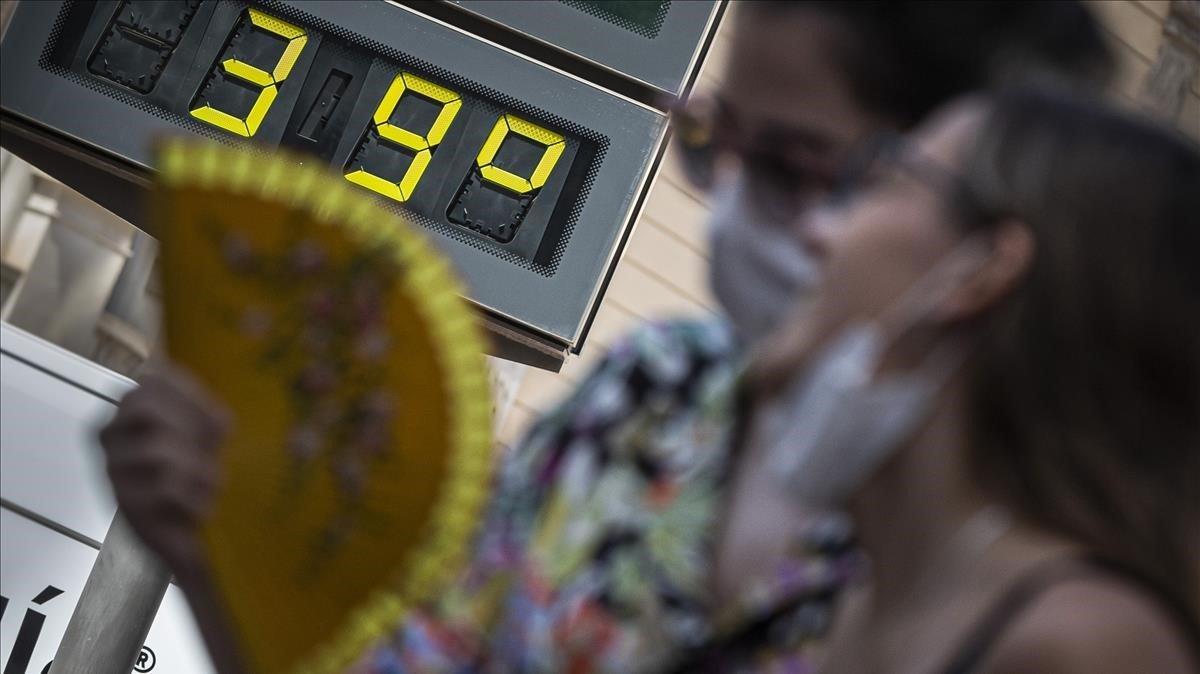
[[82, 278]]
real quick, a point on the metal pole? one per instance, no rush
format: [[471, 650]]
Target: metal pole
[[117, 606]]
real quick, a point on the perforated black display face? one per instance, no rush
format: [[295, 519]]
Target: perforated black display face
[[644, 17], [513, 164]]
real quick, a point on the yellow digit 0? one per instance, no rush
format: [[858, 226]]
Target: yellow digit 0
[[487, 154], [422, 145], [268, 81]]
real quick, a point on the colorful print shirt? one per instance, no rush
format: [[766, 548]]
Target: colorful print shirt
[[596, 553]]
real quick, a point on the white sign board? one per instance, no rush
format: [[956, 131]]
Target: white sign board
[[42, 573], [53, 496], [50, 461]]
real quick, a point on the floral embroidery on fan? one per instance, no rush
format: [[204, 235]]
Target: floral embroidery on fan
[[330, 339]]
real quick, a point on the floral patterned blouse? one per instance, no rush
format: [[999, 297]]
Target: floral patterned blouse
[[596, 553]]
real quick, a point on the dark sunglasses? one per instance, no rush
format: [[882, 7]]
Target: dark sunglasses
[[706, 132]]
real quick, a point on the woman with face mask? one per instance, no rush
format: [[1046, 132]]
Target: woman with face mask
[[999, 381], [599, 551]]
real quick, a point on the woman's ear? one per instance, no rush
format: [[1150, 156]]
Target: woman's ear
[[1006, 262]]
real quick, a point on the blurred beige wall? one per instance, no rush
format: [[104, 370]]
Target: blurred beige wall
[[1136, 32], [662, 273]]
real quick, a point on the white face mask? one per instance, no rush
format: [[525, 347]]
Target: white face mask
[[833, 427], [759, 269]]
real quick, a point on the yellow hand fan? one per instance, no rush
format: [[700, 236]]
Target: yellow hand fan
[[359, 457]]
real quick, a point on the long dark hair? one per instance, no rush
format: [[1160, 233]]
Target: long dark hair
[[903, 59], [1085, 398]]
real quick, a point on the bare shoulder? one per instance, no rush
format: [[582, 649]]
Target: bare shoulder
[[1094, 625]]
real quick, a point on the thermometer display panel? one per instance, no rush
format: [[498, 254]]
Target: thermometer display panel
[[528, 175]]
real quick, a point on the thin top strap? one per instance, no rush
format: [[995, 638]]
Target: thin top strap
[[1037, 581]]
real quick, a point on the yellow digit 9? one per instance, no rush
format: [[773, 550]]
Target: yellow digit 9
[[422, 145], [268, 81], [511, 181]]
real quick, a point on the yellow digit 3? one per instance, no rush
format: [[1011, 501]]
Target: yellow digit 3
[[509, 124], [268, 81], [422, 146]]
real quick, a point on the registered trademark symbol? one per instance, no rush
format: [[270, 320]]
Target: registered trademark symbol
[[145, 660]]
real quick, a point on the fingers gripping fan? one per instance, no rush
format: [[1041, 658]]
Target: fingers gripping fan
[[358, 459]]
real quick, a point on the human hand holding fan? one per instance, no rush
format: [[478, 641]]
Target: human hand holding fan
[[358, 457]]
